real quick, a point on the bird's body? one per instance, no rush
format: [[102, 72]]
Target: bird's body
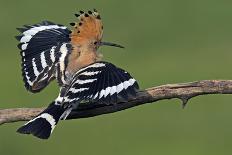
[[50, 51]]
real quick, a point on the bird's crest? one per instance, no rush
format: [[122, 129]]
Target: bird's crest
[[87, 28]]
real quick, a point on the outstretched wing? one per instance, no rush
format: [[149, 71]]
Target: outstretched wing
[[102, 82], [44, 50]]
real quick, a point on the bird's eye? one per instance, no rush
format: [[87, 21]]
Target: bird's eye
[[95, 43]]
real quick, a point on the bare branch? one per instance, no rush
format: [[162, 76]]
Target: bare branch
[[182, 91]]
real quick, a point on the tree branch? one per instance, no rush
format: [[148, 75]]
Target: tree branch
[[182, 91]]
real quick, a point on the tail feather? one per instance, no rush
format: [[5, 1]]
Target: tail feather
[[43, 125], [66, 113]]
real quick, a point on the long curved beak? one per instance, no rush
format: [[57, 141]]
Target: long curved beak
[[110, 44]]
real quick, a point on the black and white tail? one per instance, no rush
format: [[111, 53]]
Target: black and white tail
[[43, 125]]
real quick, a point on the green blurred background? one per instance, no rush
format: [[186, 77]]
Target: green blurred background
[[166, 41]]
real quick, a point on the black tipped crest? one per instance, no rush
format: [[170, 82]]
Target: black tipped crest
[[77, 15], [86, 15], [88, 26], [98, 17], [72, 24]]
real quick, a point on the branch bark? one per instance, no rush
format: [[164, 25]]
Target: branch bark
[[182, 91]]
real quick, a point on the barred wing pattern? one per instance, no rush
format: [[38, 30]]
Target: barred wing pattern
[[100, 81], [44, 50]]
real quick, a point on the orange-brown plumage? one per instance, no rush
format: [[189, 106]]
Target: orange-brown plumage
[[88, 28], [85, 36]]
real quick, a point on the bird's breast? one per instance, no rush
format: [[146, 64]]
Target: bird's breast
[[79, 59]]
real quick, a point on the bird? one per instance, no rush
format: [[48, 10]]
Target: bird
[[52, 51]]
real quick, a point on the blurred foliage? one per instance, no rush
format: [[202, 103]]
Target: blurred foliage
[[166, 42]]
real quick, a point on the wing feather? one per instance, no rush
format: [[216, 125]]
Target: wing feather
[[105, 84], [42, 46]]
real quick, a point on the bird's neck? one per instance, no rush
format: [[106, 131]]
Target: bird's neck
[[80, 58]]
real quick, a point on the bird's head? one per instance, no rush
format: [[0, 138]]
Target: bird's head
[[88, 31]]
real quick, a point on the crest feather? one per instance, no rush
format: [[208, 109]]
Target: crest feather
[[88, 27]]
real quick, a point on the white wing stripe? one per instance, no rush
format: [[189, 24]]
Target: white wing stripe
[[132, 81], [85, 81], [126, 84], [52, 54], [102, 92], [24, 46], [115, 89], [36, 72], [25, 39], [90, 73], [73, 90], [43, 60], [34, 30], [28, 80], [95, 96], [96, 65], [64, 51], [107, 91], [119, 87]]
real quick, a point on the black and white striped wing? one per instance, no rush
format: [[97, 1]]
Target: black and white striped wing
[[102, 82], [44, 51]]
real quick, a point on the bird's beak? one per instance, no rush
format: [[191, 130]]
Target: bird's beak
[[110, 44]]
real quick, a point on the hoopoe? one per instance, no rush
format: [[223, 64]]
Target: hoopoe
[[51, 51]]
